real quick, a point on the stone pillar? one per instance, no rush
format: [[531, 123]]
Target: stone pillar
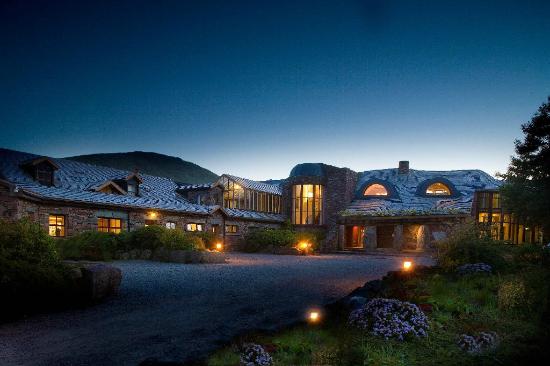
[[423, 237], [398, 237], [369, 238], [341, 236]]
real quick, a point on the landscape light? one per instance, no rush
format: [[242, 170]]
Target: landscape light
[[407, 265], [303, 246], [219, 247], [313, 316], [152, 214]]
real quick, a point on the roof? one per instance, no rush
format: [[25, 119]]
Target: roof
[[406, 200], [255, 185], [253, 215], [195, 187], [308, 170], [75, 182]]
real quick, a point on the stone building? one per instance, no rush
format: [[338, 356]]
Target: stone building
[[388, 209]]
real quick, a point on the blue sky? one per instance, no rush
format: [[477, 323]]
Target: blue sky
[[253, 88]]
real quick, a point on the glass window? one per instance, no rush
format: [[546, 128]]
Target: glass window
[[438, 189], [376, 190], [231, 229], [307, 204], [236, 196], [193, 227], [56, 225], [170, 225], [44, 176], [108, 225]]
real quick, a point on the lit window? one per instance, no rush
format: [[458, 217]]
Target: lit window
[[193, 227], [438, 189], [231, 229], [170, 225], [56, 225], [376, 190], [108, 225], [307, 204]]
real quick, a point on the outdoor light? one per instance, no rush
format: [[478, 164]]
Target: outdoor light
[[407, 265], [303, 246], [152, 214], [219, 247], [313, 316]]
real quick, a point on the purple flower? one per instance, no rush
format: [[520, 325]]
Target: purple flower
[[254, 355], [482, 342], [390, 318]]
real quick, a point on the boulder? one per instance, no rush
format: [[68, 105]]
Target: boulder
[[177, 256], [101, 280], [124, 256], [134, 254]]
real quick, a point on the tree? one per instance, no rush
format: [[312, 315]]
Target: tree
[[527, 189]]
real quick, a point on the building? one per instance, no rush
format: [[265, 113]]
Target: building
[[396, 209]]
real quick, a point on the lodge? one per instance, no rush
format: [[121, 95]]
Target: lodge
[[388, 209]]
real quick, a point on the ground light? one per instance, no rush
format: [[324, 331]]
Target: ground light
[[303, 247], [407, 265], [219, 247], [313, 316]]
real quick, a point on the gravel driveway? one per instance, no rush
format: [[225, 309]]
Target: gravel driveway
[[172, 311]]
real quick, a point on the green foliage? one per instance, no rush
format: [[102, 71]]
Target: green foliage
[[177, 239], [24, 240], [527, 191], [531, 254], [264, 239], [147, 237], [152, 163], [89, 245], [467, 245], [512, 295], [209, 239], [31, 276]]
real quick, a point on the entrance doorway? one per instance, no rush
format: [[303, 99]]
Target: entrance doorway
[[384, 236], [354, 237]]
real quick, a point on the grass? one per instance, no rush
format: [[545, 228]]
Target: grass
[[468, 304]]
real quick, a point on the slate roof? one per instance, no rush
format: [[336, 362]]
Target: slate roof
[[255, 185], [253, 215], [308, 170], [75, 182], [408, 202], [195, 187]]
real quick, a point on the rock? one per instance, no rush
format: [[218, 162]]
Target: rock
[[177, 256], [76, 273], [213, 257], [101, 280], [356, 302]]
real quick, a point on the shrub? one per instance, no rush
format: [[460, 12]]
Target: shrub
[[531, 254], [390, 318], [468, 245], [254, 355], [147, 237], [476, 344], [90, 245], [26, 241], [177, 239], [513, 295], [209, 239], [263, 239]]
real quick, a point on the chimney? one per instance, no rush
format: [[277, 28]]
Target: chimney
[[404, 167]]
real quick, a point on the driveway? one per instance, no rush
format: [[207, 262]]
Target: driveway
[[172, 312]]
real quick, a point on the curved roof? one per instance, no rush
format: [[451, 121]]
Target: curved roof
[[308, 170], [409, 202], [76, 182]]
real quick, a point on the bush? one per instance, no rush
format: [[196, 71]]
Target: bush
[[90, 245], [255, 355], [513, 295], [24, 240], [390, 318], [209, 239], [531, 254], [154, 237], [467, 245], [262, 239], [176, 239], [147, 237]]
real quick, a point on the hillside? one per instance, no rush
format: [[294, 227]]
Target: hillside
[[151, 163]]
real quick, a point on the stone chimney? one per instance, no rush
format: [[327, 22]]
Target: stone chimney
[[403, 167]]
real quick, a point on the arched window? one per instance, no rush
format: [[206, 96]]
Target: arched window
[[438, 189], [376, 189]]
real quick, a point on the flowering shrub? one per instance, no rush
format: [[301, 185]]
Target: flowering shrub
[[482, 342], [254, 355], [512, 295], [390, 318], [474, 268]]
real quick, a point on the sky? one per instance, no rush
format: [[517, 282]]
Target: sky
[[253, 88]]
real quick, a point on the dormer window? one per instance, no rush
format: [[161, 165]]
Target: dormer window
[[376, 190], [131, 188], [44, 175], [42, 170], [438, 189]]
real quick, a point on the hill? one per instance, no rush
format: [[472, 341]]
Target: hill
[[151, 163]]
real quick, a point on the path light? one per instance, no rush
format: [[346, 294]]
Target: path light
[[303, 246], [407, 265], [219, 247], [313, 316]]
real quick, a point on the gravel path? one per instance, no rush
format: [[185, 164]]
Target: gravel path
[[173, 311]]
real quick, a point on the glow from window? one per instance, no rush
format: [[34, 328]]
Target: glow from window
[[438, 189], [376, 190]]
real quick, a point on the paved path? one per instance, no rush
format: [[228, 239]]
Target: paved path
[[174, 311]]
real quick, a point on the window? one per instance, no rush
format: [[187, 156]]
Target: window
[[170, 225], [131, 188], [193, 227], [438, 189], [107, 225], [44, 176], [376, 190], [56, 225], [307, 204], [216, 228], [231, 229], [236, 196]]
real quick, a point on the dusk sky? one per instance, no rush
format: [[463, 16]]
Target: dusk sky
[[253, 88]]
